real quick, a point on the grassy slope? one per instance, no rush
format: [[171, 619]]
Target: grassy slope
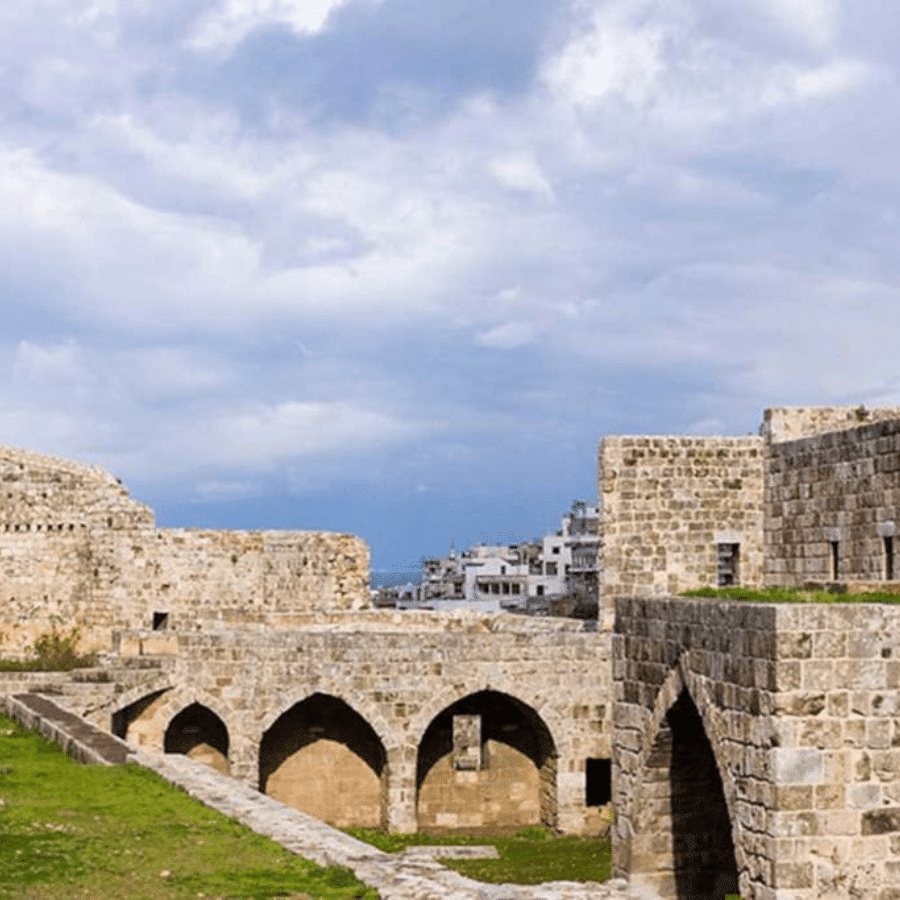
[[531, 856], [69, 831]]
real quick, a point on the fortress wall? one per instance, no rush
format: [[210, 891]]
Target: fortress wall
[[76, 550], [800, 705], [789, 423], [835, 495], [200, 578], [399, 679], [55, 518], [665, 505], [723, 654]]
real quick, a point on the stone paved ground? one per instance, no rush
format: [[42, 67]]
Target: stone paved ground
[[407, 876]]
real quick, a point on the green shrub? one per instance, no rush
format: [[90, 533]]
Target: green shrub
[[53, 651]]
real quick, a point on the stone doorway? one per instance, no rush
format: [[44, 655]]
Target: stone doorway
[[683, 842]]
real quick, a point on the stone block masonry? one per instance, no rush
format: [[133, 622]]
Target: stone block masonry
[[756, 746], [75, 549], [371, 697], [832, 502], [667, 504]]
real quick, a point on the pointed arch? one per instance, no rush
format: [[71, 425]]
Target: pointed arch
[[323, 757], [487, 760], [198, 732], [683, 842]]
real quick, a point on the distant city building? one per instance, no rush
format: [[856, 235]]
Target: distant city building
[[556, 575]]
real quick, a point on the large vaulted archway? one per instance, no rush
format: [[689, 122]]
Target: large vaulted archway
[[323, 757], [683, 845], [488, 761]]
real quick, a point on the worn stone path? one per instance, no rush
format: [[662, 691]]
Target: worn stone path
[[406, 876], [74, 734]]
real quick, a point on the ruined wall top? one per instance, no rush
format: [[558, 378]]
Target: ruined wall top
[[78, 550], [44, 493], [789, 423]]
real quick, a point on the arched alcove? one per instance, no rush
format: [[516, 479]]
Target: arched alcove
[[135, 722], [199, 733], [488, 761], [683, 842], [323, 757]]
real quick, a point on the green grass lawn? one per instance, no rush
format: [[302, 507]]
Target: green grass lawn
[[71, 831], [789, 595], [530, 856]]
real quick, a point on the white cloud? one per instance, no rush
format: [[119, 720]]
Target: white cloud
[[653, 62], [261, 435], [521, 172], [509, 336], [233, 20], [814, 20], [54, 362]]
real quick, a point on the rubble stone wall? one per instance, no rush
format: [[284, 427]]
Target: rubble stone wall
[[76, 550]]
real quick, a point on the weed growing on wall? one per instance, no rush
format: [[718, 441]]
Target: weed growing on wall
[[53, 651]]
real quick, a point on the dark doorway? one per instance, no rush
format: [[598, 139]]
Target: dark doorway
[[597, 782], [702, 848]]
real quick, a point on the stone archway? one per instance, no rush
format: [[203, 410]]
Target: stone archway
[[199, 733], [323, 757], [487, 761], [683, 845]]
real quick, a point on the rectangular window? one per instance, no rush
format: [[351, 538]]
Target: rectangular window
[[597, 782], [515, 588], [728, 559], [505, 587], [888, 559], [550, 569], [540, 590], [160, 621], [835, 560]]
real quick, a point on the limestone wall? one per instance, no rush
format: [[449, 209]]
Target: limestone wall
[[399, 679], [833, 498], [789, 423], [76, 550], [724, 655], [665, 505], [799, 704]]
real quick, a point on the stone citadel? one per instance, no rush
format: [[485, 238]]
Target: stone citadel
[[754, 747]]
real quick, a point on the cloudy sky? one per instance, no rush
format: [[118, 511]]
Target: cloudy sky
[[394, 266]]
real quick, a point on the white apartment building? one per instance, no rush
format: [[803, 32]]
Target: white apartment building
[[518, 578]]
